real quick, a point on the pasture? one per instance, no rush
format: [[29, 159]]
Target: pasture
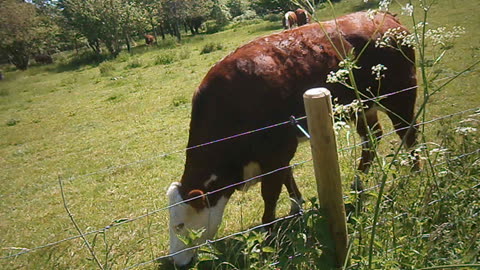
[[115, 135]]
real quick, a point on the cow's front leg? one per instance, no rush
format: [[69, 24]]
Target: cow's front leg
[[271, 188]]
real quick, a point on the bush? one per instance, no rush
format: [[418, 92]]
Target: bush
[[164, 59], [106, 68], [248, 15], [184, 53], [135, 63], [12, 122], [273, 17], [210, 47], [123, 57], [211, 27]]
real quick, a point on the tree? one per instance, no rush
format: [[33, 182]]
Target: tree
[[272, 6], [111, 22], [20, 31]]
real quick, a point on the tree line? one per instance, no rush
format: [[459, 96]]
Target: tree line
[[43, 27]]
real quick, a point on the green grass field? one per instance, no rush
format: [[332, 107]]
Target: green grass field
[[114, 134]]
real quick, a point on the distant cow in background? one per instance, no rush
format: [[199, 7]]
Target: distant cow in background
[[302, 17], [262, 83], [43, 59], [149, 39], [289, 20]]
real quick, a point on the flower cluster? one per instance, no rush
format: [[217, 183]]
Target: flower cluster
[[407, 10], [441, 36], [377, 71], [340, 76], [384, 5], [402, 38], [464, 131]]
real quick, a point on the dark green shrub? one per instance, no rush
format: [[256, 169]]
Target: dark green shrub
[[106, 68], [210, 47], [164, 59]]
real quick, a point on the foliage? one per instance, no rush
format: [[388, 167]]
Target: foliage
[[21, 32], [210, 47]]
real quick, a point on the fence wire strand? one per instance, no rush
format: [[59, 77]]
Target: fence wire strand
[[26, 250]]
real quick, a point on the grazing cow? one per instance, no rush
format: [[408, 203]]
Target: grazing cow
[[43, 59], [149, 39], [262, 83], [289, 20], [302, 17]]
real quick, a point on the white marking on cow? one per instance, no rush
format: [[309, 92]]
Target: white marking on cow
[[184, 217], [287, 22], [252, 169], [212, 179]]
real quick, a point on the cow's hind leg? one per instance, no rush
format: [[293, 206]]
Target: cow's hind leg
[[367, 121], [403, 121], [294, 193]]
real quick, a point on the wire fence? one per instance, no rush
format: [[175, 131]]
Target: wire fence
[[163, 155], [112, 225]]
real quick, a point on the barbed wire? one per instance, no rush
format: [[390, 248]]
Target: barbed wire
[[26, 250]]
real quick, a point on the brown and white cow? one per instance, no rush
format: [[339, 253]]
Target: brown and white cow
[[262, 83], [302, 17], [289, 20]]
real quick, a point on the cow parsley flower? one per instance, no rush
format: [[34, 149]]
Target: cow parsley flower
[[464, 131], [407, 10], [340, 76], [443, 37], [377, 71], [384, 5], [371, 13], [401, 37]]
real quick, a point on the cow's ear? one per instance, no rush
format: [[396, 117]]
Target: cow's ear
[[198, 203]]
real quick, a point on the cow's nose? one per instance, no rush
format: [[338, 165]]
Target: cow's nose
[[183, 259]]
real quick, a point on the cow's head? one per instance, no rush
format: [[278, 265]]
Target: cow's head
[[193, 215]]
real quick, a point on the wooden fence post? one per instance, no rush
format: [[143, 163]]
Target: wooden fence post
[[318, 106]]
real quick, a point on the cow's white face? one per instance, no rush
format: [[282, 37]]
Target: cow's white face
[[184, 217]]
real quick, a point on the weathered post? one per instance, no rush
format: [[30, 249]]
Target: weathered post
[[318, 106]]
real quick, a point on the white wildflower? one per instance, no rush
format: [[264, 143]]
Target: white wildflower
[[339, 125], [407, 10], [371, 13], [464, 131], [442, 173], [384, 5], [340, 76], [443, 37], [377, 71], [401, 37]]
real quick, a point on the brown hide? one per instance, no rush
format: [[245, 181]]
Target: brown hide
[[149, 39], [302, 17], [262, 83], [289, 20]]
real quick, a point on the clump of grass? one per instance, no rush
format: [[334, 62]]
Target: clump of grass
[[184, 53], [12, 122], [211, 46], [177, 101], [106, 68], [135, 63], [164, 59], [4, 92], [123, 56]]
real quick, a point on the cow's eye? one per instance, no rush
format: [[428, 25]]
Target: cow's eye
[[179, 227]]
